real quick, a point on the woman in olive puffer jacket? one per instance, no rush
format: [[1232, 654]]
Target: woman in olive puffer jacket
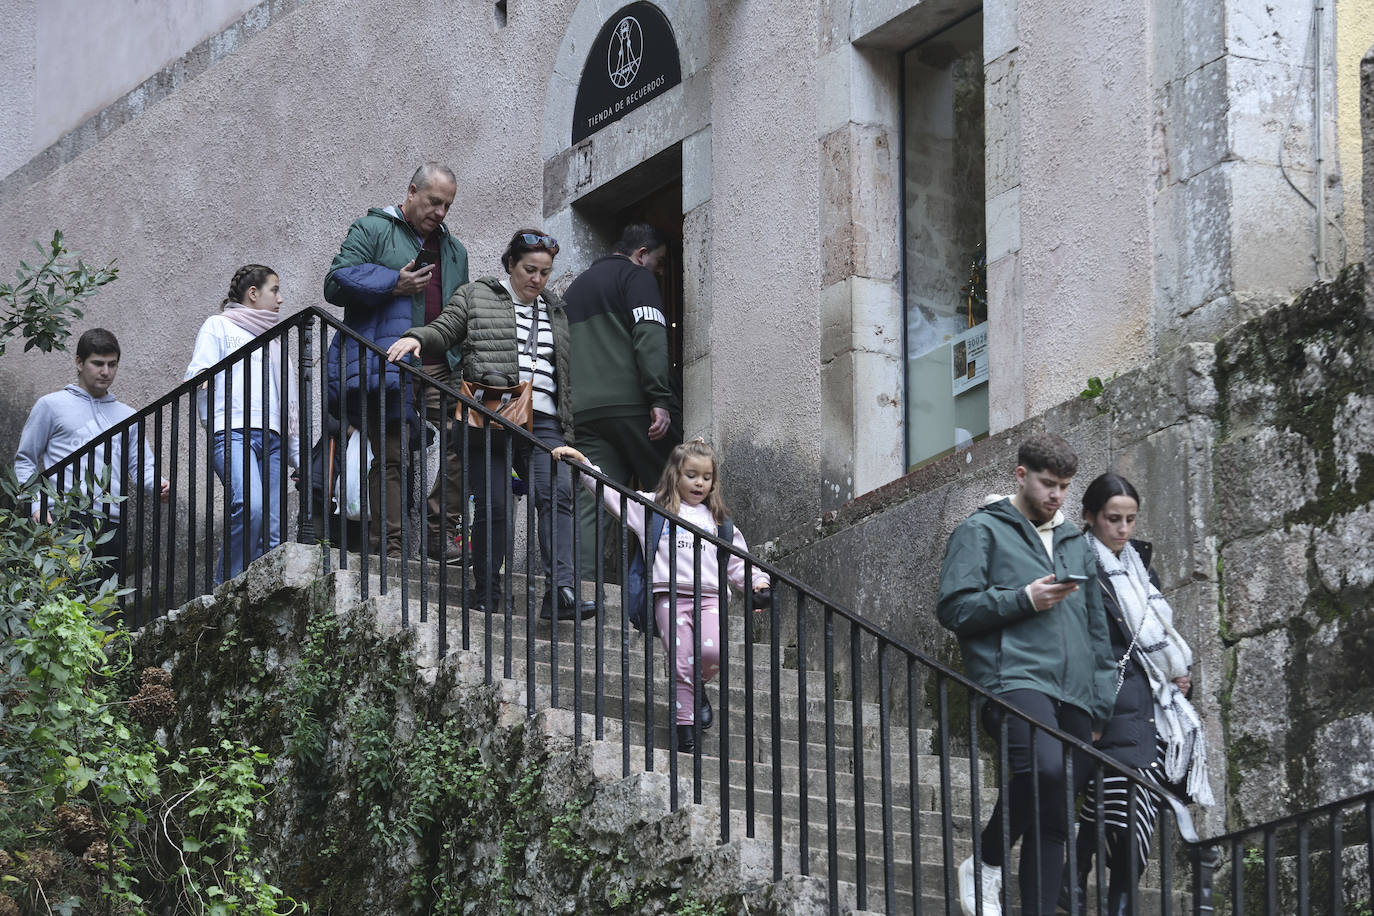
[[510, 330]]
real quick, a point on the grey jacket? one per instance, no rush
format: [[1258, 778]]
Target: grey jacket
[[62, 422]]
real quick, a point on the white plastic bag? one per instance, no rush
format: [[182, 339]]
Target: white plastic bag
[[426, 473], [357, 459]]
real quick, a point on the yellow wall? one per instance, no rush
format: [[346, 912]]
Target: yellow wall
[[1354, 36]]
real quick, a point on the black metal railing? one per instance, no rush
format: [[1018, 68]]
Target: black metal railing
[[854, 754]]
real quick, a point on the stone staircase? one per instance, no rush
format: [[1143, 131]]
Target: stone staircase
[[772, 848], [749, 756]]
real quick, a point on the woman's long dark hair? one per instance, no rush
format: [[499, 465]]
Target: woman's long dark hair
[[1103, 488]]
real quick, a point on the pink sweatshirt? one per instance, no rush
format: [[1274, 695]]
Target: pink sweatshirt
[[697, 515]]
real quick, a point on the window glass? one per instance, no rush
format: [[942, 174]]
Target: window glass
[[943, 237]]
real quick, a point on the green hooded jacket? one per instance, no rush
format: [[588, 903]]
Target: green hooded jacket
[[1064, 652]]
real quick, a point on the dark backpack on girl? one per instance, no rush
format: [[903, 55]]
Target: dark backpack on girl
[[637, 594]]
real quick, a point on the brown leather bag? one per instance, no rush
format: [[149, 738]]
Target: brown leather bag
[[514, 403]]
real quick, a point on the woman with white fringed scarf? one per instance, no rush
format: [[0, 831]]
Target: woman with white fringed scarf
[[1153, 728], [250, 441]]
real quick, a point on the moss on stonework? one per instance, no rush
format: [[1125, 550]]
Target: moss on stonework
[[395, 793], [1297, 368]]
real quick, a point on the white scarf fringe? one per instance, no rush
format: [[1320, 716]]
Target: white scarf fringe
[[1164, 655]]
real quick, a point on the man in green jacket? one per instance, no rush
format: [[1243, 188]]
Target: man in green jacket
[[621, 370], [1019, 588], [395, 269]]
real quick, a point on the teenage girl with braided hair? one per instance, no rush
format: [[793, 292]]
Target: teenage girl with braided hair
[[252, 476], [689, 487]]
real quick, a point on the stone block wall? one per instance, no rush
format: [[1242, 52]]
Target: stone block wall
[[1255, 460], [402, 782]]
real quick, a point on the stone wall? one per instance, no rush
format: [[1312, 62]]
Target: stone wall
[[1255, 460], [405, 783]]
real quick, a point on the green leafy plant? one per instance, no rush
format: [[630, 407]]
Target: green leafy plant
[[44, 300], [1096, 387], [90, 801]]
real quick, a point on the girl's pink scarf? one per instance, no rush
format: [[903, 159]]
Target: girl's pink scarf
[[258, 322]]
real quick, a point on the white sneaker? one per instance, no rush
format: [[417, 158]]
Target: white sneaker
[[992, 889]]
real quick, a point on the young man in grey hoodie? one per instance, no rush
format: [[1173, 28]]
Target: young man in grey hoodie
[[62, 422]]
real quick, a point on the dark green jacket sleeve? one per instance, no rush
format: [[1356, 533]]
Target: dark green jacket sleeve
[[448, 330], [651, 361], [1104, 661], [968, 605]]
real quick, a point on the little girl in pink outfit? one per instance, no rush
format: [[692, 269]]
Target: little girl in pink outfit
[[689, 487]]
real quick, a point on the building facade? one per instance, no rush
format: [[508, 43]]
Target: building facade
[[899, 227]]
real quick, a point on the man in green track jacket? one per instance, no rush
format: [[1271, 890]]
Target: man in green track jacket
[[620, 369], [1019, 588]]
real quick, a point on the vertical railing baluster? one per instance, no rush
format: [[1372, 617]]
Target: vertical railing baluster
[[446, 536], [531, 548], [192, 495], [975, 783], [946, 793], [1166, 828], [913, 768], [1304, 898], [599, 582], [1336, 897], [1237, 877], [696, 685], [749, 711], [831, 799], [366, 511], [723, 560], [1271, 873], [885, 763], [803, 751], [505, 573], [624, 558], [212, 451], [341, 445], [170, 526], [244, 365], [775, 717], [555, 469], [671, 690], [860, 796], [134, 492]]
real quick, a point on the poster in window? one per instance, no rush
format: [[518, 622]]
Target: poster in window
[[969, 358]]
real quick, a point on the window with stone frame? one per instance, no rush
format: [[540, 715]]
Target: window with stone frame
[[943, 230]]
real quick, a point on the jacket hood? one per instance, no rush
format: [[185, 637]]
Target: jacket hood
[[1001, 507], [393, 213], [79, 392], [498, 286]]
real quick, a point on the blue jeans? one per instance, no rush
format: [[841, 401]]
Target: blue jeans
[[252, 491]]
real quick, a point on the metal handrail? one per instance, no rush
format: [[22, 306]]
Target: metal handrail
[[900, 669]]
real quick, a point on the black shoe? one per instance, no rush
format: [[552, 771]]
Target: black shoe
[[686, 739], [705, 715], [569, 608]]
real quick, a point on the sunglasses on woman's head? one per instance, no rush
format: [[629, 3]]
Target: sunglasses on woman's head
[[540, 241]]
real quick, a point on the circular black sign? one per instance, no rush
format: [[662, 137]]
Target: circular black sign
[[633, 60]]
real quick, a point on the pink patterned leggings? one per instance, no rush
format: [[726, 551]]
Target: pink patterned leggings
[[685, 625]]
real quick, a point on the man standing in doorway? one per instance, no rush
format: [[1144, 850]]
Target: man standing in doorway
[[621, 370], [1019, 588], [62, 422], [395, 270]]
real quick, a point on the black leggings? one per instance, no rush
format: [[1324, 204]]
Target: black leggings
[[1040, 767]]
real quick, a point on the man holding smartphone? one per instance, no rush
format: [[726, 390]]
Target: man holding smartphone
[[395, 270], [1019, 588]]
